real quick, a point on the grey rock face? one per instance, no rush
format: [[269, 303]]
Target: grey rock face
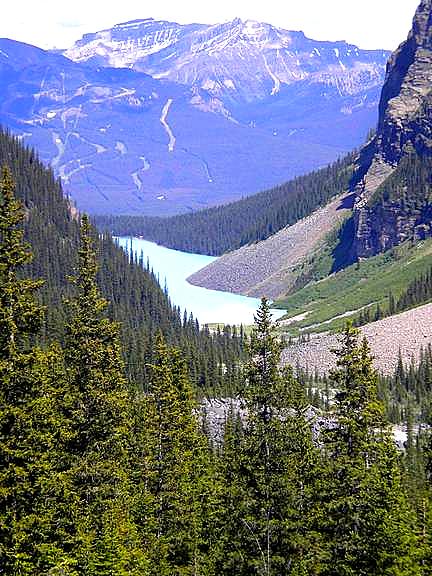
[[405, 126], [237, 60]]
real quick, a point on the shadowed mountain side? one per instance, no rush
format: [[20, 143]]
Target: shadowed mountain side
[[404, 130], [123, 142], [268, 268]]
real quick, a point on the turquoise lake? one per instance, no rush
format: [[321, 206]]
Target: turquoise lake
[[208, 306]]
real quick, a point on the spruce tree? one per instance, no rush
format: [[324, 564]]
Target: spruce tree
[[280, 463], [173, 470], [99, 447], [30, 423], [372, 528], [20, 319]]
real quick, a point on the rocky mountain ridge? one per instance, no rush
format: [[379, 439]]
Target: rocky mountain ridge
[[241, 60], [391, 186], [124, 142], [404, 129]]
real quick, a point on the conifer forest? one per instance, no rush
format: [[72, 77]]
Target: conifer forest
[[108, 468], [216, 290]]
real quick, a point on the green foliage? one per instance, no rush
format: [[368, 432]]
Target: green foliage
[[371, 527], [100, 430], [20, 317], [271, 469], [215, 231], [361, 288], [175, 486], [410, 185], [104, 475], [135, 299]]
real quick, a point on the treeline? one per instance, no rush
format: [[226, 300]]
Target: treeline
[[136, 299], [418, 291], [408, 391], [217, 230], [98, 477]]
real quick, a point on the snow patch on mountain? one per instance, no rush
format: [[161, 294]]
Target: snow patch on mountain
[[234, 59], [172, 139]]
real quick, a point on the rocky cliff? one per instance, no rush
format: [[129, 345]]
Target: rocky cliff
[[388, 207]]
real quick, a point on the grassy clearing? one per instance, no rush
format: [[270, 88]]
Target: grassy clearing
[[367, 283]]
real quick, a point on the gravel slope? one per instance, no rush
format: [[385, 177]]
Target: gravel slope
[[407, 332], [266, 268]]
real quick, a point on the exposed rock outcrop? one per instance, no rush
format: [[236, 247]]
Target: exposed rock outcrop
[[237, 60], [404, 127]]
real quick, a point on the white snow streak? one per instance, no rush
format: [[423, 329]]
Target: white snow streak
[[137, 180], [273, 76], [136, 175], [60, 149], [163, 121], [121, 147], [146, 163]]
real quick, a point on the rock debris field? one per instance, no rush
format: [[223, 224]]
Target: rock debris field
[[268, 267], [407, 333]]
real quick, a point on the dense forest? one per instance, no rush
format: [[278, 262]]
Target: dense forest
[[136, 299], [103, 475], [215, 231]]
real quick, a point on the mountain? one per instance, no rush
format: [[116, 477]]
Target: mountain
[[136, 299], [239, 60], [161, 136], [222, 229], [372, 262], [393, 179]]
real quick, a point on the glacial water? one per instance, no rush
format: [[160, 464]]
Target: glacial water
[[209, 306]]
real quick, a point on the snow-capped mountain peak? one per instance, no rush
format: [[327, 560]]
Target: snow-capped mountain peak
[[243, 60]]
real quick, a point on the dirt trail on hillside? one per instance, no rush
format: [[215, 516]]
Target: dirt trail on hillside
[[267, 268], [407, 332]]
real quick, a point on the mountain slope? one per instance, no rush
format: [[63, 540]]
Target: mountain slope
[[137, 301], [381, 217], [225, 228], [273, 267], [403, 336], [392, 181], [125, 143]]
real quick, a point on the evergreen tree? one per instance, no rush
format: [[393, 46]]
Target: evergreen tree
[[20, 319], [32, 384], [232, 502], [174, 470], [106, 539], [371, 526], [280, 463]]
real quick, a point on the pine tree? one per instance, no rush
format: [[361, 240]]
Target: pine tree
[[280, 463], [232, 501], [30, 424], [371, 525], [20, 319], [106, 539]]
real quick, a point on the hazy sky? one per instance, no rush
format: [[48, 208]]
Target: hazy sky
[[367, 23]]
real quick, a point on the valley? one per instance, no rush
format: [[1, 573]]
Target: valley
[[268, 105], [216, 295]]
